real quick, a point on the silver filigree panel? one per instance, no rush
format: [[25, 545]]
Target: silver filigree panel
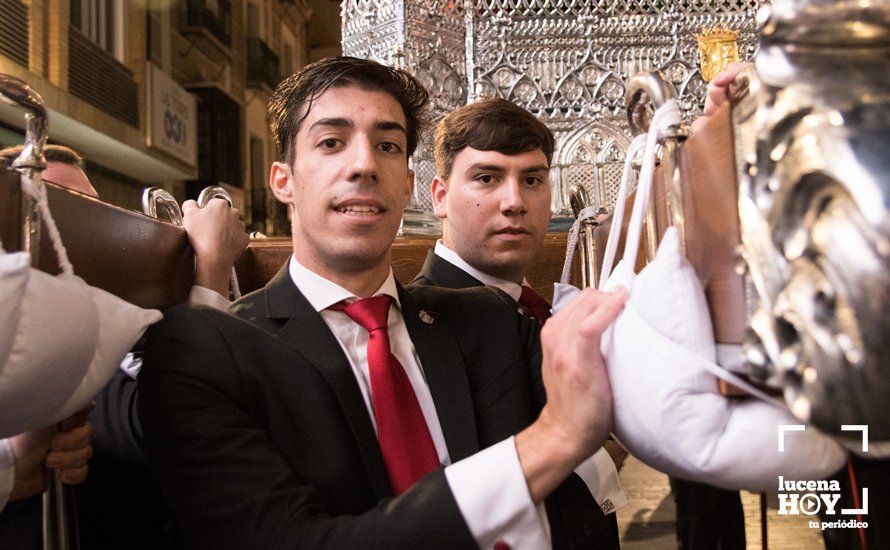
[[426, 38], [567, 61], [592, 157]]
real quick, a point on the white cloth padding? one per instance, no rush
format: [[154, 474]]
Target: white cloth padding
[[668, 412], [14, 270], [69, 339], [54, 340], [686, 298], [121, 325], [661, 358]]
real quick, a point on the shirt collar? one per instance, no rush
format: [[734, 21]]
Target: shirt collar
[[450, 256], [322, 293]]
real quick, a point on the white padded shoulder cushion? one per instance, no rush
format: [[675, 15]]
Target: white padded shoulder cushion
[[668, 412], [65, 341]]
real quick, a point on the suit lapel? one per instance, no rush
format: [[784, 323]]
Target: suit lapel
[[307, 332], [443, 367], [444, 273]]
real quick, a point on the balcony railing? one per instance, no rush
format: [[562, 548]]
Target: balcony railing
[[262, 64], [214, 16], [97, 78], [14, 31]]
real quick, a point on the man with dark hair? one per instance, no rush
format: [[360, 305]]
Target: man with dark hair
[[492, 192], [313, 80], [339, 409]]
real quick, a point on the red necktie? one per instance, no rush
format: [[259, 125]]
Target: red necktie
[[534, 305], [405, 441]]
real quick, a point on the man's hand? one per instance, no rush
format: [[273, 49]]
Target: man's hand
[[66, 449], [718, 90], [578, 415], [218, 238]]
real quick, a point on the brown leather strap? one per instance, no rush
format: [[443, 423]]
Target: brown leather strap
[[710, 207], [142, 260]]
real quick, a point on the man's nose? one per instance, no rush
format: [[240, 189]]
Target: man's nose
[[363, 160], [512, 198]]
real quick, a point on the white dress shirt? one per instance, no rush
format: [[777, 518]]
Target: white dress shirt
[[598, 472], [489, 487]]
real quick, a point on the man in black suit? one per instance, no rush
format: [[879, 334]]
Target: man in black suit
[[338, 409], [492, 193]]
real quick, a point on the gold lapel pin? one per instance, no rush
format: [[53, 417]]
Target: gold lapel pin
[[426, 317]]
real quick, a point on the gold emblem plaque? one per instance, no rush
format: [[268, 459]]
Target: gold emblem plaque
[[716, 49]]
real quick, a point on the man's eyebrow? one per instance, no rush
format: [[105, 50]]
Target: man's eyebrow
[[536, 169], [482, 167], [336, 122], [386, 125], [339, 122]]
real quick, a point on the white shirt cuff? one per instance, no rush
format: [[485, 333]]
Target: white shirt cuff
[[131, 365], [492, 494], [7, 471], [201, 296], [601, 477]]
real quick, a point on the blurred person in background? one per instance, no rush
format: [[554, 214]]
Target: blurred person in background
[[119, 485]]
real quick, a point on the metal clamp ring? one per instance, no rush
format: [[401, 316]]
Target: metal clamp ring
[[213, 192], [155, 199], [18, 93]]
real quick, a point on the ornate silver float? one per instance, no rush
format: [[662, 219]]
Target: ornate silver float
[[567, 61], [814, 190]]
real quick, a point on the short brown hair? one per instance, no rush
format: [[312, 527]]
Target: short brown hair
[[52, 153], [316, 78], [490, 124]]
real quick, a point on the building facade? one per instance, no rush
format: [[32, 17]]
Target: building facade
[[168, 93]]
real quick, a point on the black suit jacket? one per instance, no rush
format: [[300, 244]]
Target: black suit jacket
[[260, 438], [439, 272], [575, 518]]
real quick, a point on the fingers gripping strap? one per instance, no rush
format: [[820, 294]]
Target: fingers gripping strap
[[33, 188]]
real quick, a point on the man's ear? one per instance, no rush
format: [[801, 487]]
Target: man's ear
[[411, 183], [438, 191], [279, 179]]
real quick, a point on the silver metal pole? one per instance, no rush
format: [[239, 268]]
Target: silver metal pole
[[30, 163]]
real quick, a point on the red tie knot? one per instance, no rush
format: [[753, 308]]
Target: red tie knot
[[534, 305], [371, 313]]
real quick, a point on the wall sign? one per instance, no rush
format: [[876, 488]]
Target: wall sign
[[172, 116]]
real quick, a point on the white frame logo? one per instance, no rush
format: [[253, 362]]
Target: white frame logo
[[818, 495]]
